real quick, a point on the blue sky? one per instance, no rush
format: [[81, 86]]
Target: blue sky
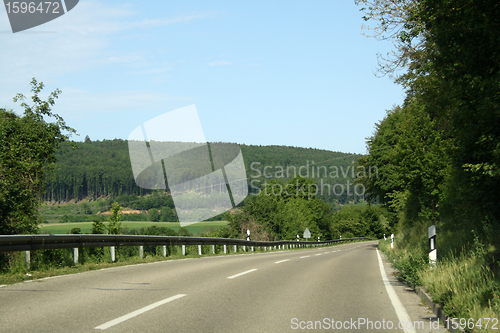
[[295, 73]]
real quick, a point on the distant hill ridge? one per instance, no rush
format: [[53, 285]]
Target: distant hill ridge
[[102, 168]]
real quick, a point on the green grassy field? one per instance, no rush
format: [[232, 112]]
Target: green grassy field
[[86, 227]]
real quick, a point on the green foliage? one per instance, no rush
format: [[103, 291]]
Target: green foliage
[[154, 215], [114, 219], [283, 210], [359, 221], [98, 227], [75, 231], [183, 232], [168, 214], [102, 169], [28, 145]]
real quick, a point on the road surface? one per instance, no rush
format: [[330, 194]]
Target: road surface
[[338, 288]]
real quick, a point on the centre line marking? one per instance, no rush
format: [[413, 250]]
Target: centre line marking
[[277, 262], [317, 254], [304, 257], [137, 312], [240, 274]]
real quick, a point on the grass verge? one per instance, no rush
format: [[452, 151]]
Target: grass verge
[[464, 285]]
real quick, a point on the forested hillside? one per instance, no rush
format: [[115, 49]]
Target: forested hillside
[[102, 168]]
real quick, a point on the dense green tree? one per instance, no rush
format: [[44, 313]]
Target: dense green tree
[[284, 209], [153, 215], [28, 144]]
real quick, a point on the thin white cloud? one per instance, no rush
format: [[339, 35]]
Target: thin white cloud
[[146, 23], [219, 63]]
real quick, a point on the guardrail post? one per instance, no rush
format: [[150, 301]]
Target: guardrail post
[[213, 249], [164, 250], [112, 249], [183, 249], [199, 250], [27, 259], [141, 251], [75, 255], [236, 249], [225, 249]]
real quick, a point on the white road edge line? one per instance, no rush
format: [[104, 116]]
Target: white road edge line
[[304, 257], [277, 262], [240, 274], [396, 303], [137, 312]]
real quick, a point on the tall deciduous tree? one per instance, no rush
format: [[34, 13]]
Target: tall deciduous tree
[[27, 151]]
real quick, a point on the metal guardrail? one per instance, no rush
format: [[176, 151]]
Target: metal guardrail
[[9, 243]]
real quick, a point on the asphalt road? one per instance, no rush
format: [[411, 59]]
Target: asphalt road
[[288, 291]]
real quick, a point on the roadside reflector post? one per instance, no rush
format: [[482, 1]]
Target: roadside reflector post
[[225, 249], [432, 245], [183, 249], [392, 241], [27, 259], [75, 255], [213, 249], [164, 250], [199, 250], [252, 248], [141, 251], [112, 249], [235, 248], [244, 248]]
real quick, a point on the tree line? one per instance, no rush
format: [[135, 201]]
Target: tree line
[[439, 152]]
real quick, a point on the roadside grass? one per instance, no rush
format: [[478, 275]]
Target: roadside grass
[[86, 227], [464, 285], [51, 263]]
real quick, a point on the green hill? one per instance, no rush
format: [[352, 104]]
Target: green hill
[[102, 169]]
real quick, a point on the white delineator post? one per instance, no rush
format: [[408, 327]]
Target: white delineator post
[[112, 249], [27, 259], [392, 241], [432, 245], [75, 255]]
